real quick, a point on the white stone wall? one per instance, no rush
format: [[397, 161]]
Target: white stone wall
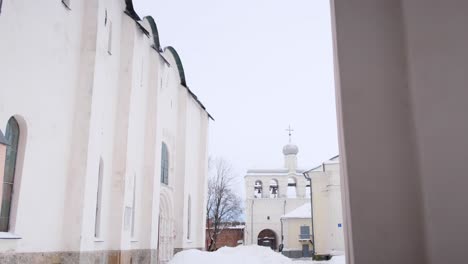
[[77, 103], [258, 210]]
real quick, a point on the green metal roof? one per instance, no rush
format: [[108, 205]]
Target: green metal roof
[[154, 32]]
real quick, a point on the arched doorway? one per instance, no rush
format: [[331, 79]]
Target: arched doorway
[[267, 238], [165, 229]]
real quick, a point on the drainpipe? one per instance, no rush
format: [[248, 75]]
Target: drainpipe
[[284, 212], [282, 237], [307, 176]]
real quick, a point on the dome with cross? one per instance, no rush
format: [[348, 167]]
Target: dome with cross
[[290, 149]]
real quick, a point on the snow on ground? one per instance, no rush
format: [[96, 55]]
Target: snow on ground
[[242, 254], [334, 260]]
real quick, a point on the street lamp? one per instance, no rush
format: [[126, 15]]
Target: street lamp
[[307, 176]]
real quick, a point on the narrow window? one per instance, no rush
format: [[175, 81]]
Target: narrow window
[[1, 2], [292, 193], [109, 37], [97, 224], [189, 216], [307, 190], [274, 189], [258, 189], [12, 136], [133, 206], [164, 164], [305, 233], [66, 3]]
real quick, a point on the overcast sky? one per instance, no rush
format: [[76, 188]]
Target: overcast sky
[[258, 66]]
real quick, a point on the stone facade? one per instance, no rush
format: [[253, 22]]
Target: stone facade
[[96, 257]]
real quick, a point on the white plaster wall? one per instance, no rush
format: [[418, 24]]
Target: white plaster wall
[[39, 75], [264, 207], [321, 212], [335, 208], [126, 103], [196, 161], [102, 126]]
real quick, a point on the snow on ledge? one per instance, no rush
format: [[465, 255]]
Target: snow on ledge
[[7, 235]]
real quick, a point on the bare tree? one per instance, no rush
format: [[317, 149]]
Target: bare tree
[[223, 204]]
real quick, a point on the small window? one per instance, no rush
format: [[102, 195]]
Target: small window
[[164, 164], [66, 3], [307, 190], [274, 190], [97, 224], [109, 37], [305, 232], [292, 185], [133, 206], [258, 189], [189, 217], [1, 2]]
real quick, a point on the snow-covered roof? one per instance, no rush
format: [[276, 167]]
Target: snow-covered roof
[[236, 227], [333, 160], [302, 212], [266, 172]]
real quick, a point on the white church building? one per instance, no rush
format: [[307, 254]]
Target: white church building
[[278, 211], [103, 147]]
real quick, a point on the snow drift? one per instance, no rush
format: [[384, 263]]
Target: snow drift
[[252, 254], [242, 254]]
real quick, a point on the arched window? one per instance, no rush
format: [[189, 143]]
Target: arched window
[[164, 164], [258, 189], [12, 136], [189, 217], [97, 223], [292, 192], [274, 191]]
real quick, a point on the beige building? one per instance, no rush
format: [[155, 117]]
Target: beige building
[[327, 234], [107, 146]]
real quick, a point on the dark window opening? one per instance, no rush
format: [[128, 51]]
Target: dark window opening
[[164, 164], [12, 137]]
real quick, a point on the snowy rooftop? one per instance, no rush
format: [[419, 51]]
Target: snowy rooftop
[[302, 212], [272, 171]]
